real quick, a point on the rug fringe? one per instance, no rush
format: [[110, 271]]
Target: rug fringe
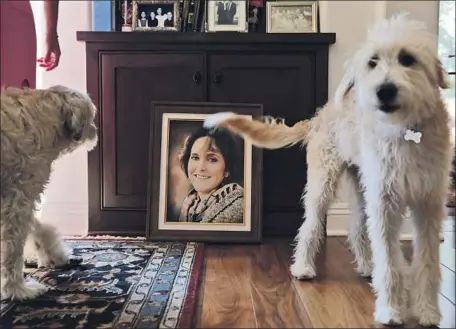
[[103, 237]]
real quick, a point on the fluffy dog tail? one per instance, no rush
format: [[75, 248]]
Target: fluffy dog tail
[[270, 133]]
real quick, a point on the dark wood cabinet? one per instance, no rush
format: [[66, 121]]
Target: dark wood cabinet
[[127, 71], [129, 83]]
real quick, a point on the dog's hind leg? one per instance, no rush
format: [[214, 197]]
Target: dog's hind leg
[[324, 171], [427, 217], [358, 237], [15, 226]]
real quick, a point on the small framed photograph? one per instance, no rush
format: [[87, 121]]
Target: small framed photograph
[[155, 15], [292, 17], [204, 185], [227, 15]]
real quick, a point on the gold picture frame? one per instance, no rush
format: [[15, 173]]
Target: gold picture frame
[[147, 23], [279, 10]]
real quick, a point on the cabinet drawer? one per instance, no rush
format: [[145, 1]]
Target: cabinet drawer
[[283, 83]]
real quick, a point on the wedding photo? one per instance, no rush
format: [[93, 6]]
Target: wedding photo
[[202, 179], [292, 17], [152, 15]]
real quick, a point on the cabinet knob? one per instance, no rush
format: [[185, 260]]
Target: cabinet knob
[[217, 78], [197, 77]]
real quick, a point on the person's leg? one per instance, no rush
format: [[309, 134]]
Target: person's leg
[[18, 44]]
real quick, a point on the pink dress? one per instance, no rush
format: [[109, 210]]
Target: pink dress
[[18, 44]]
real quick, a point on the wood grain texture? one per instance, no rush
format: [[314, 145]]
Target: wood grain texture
[[277, 304], [226, 296], [249, 286], [338, 298]]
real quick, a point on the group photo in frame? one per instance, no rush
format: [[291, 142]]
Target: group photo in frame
[[202, 185], [155, 15], [227, 15], [292, 17]]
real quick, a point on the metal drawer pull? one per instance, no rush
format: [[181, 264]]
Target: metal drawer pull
[[217, 78], [197, 77]]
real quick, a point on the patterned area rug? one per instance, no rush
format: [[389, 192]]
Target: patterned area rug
[[120, 284]]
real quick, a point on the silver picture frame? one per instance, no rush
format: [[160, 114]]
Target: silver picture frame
[[213, 20], [298, 25]]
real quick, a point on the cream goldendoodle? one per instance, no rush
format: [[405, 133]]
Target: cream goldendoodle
[[37, 126], [388, 132]]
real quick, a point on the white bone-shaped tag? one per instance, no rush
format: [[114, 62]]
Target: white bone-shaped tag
[[411, 135]]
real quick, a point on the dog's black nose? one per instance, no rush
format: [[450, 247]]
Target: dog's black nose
[[387, 93]]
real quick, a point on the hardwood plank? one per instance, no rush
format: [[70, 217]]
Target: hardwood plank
[[275, 300], [448, 313], [337, 298], [447, 251], [226, 298], [448, 286], [447, 289], [447, 248], [251, 287]]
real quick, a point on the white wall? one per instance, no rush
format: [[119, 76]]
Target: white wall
[[66, 199], [66, 203]]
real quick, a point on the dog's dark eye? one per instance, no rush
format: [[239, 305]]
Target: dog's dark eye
[[373, 62], [406, 59]]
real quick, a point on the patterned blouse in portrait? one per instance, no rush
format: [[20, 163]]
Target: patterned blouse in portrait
[[224, 205]]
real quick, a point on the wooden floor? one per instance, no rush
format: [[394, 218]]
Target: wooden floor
[[251, 287]]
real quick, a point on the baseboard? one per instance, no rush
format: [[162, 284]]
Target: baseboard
[[338, 218], [70, 218]]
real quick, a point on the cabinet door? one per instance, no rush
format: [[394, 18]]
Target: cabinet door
[[285, 85], [130, 82]]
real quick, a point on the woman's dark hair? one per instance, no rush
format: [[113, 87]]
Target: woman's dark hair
[[226, 144]]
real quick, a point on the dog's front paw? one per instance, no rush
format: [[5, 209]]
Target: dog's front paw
[[59, 258], [427, 315], [390, 316], [302, 271], [23, 291]]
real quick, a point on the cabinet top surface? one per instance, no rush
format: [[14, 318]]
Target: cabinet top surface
[[196, 37]]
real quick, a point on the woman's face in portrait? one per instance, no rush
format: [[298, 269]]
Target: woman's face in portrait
[[159, 11], [206, 167]]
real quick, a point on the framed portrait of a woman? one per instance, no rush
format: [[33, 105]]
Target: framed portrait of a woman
[[204, 184]]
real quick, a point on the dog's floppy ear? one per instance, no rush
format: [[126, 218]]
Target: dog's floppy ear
[[69, 104], [442, 76], [346, 84], [72, 126]]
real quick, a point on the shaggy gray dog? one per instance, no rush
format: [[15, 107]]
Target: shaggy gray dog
[[37, 126]]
